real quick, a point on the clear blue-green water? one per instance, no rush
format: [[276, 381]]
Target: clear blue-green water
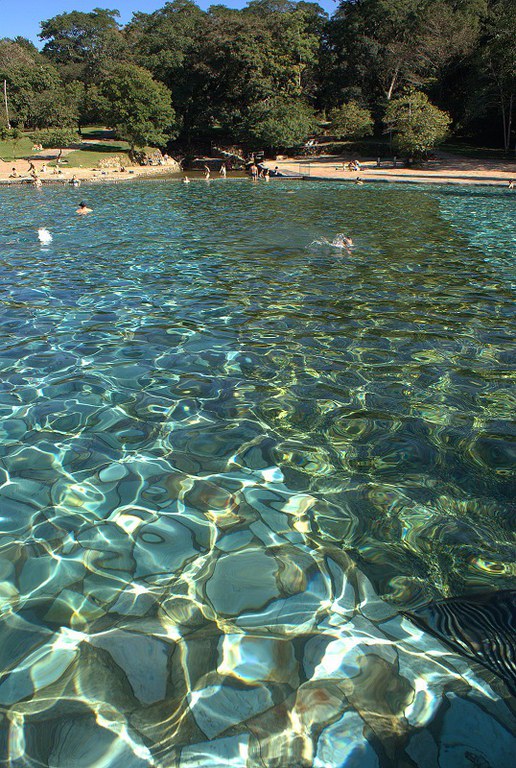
[[231, 456]]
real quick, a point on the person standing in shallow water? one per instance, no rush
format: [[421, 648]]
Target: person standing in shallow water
[[254, 171], [83, 209]]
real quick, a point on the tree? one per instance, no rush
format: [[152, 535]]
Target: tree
[[417, 124], [55, 138], [351, 121], [499, 54], [83, 44], [31, 80], [280, 122], [161, 41], [377, 48], [136, 106]]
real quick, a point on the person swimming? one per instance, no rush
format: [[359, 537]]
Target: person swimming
[[185, 180], [83, 209], [343, 242]]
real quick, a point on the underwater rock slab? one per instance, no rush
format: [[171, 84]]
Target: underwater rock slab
[[143, 659], [343, 744], [242, 581], [231, 751], [218, 707]]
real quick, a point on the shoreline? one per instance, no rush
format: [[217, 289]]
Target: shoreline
[[444, 170]]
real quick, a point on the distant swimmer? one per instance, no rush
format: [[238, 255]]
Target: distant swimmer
[[186, 180], [74, 181], [358, 180], [83, 209], [343, 242]]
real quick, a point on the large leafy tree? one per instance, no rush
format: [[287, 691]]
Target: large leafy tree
[[137, 106], [36, 95], [351, 121], [161, 41], [83, 44], [416, 123], [280, 122], [376, 48], [262, 55], [499, 60]]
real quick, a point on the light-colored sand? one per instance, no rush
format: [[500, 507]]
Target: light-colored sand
[[444, 169], [83, 174]]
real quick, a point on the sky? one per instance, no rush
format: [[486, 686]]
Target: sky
[[22, 17]]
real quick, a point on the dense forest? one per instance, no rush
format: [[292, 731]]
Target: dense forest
[[272, 74]]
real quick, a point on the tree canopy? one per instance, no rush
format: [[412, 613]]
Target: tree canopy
[[261, 74]]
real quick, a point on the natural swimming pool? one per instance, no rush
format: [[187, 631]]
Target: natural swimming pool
[[230, 459]]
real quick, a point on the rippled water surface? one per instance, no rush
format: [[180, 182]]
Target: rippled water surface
[[230, 457]]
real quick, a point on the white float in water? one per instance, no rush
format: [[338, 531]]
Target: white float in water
[[44, 236]]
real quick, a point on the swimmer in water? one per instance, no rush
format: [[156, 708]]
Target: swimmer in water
[[83, 209], [185, 180], [344, 242]]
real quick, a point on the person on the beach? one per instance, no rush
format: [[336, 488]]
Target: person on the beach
[[206, 172], [32, 167], [358, 180], [14, 173], [83, 209], [267, 175], [74, 181], [254, 171], [186, 180], [223, 171], [36, 181], [512, 185]]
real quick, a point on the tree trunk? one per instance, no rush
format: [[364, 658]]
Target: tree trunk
[[508, 124], [393, 83]]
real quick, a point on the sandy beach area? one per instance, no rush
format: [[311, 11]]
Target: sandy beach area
[[444, 169], [48, 173]]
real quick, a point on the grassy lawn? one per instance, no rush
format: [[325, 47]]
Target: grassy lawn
[[91, 158], [10, 150], [463, 149]]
